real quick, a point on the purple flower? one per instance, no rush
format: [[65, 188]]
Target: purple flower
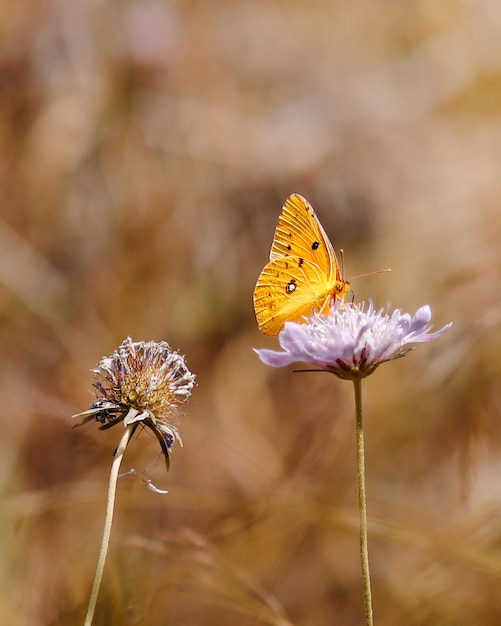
[[350, 341]]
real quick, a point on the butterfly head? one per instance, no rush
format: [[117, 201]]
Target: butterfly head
[[341, 288]]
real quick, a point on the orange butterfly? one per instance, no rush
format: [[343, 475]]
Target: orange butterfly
[[303, 273]]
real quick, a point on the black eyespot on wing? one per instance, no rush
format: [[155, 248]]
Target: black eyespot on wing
[[289, 247], [291, 286], [315, 245], [300, 262]]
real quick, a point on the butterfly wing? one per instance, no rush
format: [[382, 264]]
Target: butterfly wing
[[287, 289], [299, 233], [303, 273]]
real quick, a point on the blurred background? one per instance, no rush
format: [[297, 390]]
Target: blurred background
[[146, 148]]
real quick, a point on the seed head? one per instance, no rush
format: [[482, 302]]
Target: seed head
[[141, 382]]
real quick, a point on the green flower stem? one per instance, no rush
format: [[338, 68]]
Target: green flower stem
[[110, 505], [362, 501]]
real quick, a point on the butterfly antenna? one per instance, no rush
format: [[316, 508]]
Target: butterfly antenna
[[388, 269], [341, 254]]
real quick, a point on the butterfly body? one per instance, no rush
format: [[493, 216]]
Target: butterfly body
[[302, 275]]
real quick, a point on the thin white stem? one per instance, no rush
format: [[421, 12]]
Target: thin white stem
[[110, 505], [362, 501]]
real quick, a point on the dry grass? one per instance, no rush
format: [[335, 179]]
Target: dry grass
[[145, 150]]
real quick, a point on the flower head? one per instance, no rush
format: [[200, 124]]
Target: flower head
[[351, 342], [141, 382]]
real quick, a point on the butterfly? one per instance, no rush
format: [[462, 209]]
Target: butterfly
[[303, 273]]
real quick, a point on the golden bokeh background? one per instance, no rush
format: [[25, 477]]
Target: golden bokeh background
[[146, 148]]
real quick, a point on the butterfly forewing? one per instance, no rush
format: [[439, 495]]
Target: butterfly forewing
[[299, 233]]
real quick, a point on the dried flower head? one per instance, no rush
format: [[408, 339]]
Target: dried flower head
[[351, 342], [141, 382]]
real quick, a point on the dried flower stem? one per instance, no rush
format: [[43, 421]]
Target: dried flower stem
[[362, 501], [110, 506]]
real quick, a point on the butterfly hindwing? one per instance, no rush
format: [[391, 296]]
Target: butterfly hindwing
[[287, 289]]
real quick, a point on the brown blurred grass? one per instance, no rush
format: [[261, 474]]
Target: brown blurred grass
[[146, 149]]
